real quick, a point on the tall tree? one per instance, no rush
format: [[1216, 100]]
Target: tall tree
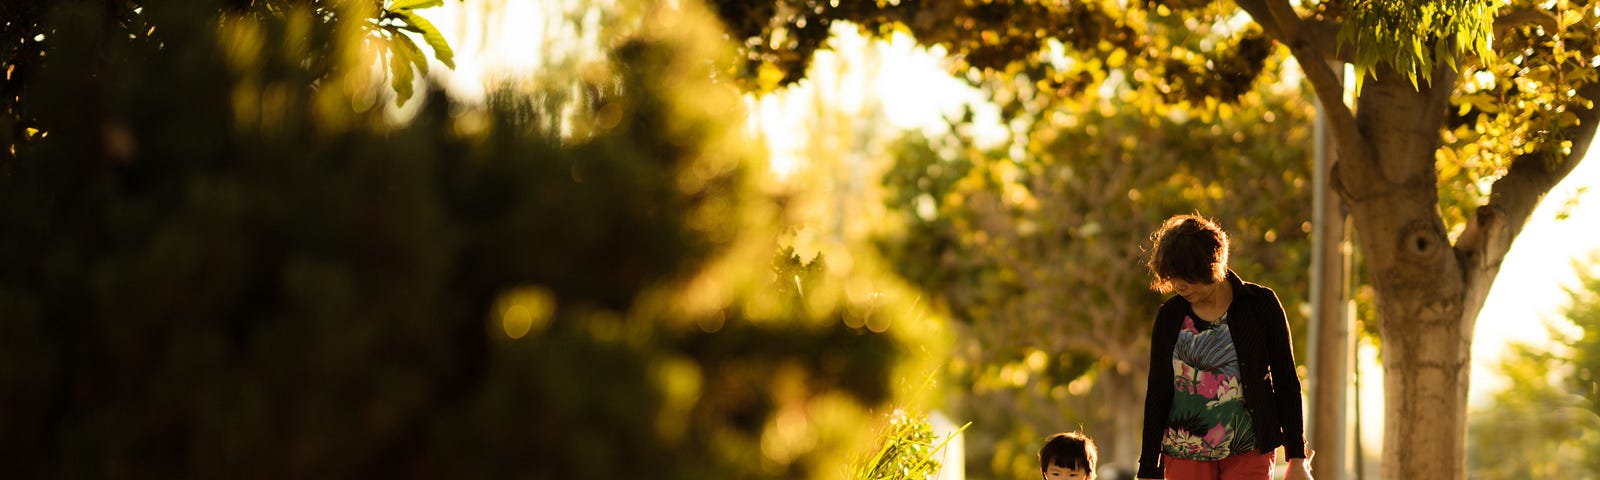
[[1451, 142], [1035, 244]]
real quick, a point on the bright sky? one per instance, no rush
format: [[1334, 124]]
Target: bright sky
[[911, 85], [915, 92], [1528, 291]]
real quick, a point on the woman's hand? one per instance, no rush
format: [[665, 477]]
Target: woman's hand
[[1300, 468]]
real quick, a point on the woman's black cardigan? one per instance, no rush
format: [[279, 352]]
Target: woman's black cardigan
[[1260, 334]]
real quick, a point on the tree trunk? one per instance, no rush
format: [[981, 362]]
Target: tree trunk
[[1421, 290], [1119, 439], [1428, 291]]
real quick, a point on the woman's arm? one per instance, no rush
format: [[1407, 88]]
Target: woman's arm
[[1158, 393], [1285, 380]]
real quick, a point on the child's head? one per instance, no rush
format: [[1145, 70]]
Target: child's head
[[1067, 456]]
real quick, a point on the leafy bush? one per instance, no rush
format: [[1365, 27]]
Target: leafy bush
[[907, 449]]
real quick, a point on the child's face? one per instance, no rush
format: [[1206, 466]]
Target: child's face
[[1056, 472]]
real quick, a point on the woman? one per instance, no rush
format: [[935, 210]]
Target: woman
[[1223, 393]]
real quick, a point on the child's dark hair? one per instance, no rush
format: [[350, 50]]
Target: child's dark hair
[[1068, 450], [1191, 248]]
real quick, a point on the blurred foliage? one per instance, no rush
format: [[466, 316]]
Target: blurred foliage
[[1034, 246], [1545, 422], [217, 259], [1584, 349], [30, 29]]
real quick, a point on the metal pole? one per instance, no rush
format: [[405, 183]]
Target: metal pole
[[1330, 340]]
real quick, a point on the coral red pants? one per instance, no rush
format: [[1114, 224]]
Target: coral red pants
[[1245, 466]]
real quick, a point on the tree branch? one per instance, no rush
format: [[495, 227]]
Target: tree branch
[[1288, 21], [1259, 10], [1323, 35], [1523, 16], [1482, 246], [1309, 53], [1514, 197]]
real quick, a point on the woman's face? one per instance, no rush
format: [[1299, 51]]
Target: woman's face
[[1191, 291]]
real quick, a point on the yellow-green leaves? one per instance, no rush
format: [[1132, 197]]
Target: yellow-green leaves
[[1522, 98], [430, 34], [1413, 36], [413, 4], [400, 74], [404, 58], [1569, 18], [411, 52]]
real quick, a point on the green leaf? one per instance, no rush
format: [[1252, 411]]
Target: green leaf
[[1116, 58], [400, 77], [1442, 50], [412, 52], [1566, 119], [430, 34], [414, 4], [1570, 17]]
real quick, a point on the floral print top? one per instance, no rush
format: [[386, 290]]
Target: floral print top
[[1208, 420]]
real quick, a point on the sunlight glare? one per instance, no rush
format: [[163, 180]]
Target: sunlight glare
[[1528, 290]]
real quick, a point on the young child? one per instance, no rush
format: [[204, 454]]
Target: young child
[[1067, 456]]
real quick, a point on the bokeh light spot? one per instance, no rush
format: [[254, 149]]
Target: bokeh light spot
[[516, 321], [525, 310]]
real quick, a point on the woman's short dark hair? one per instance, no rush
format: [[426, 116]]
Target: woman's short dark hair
[[1187, 247], [1068, 450]]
